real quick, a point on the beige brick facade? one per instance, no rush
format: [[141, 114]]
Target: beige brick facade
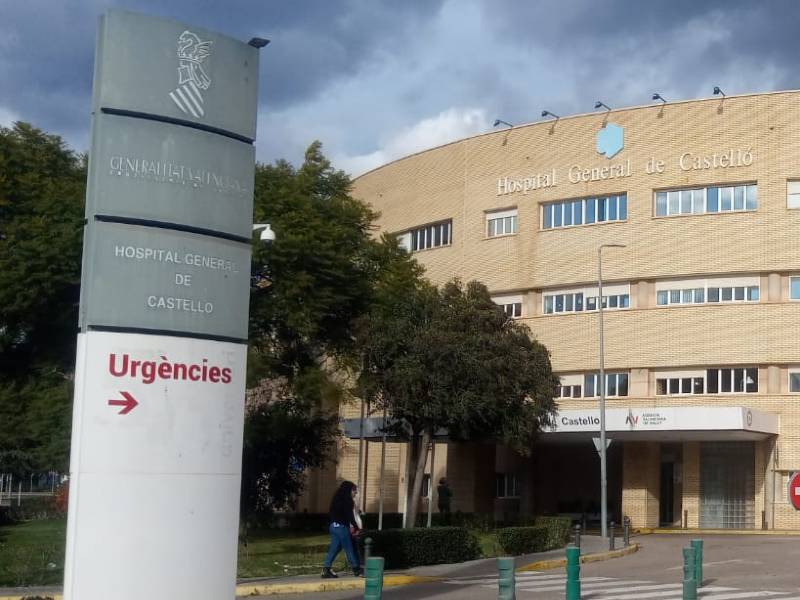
[[461, 181]]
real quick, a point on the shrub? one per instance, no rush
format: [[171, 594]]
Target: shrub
[[558, 530], [403, 548], [523, 540]]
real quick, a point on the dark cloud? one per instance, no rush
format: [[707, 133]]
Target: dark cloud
[[47, 47]]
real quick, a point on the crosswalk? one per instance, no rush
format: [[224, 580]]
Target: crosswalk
[[552, 585]]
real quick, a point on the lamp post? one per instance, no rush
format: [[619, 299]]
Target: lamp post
[[602, 383]]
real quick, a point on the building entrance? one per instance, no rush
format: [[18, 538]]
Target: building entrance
[[671, 485], [727, 485]]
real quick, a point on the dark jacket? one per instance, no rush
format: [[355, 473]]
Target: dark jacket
[[342, 512]]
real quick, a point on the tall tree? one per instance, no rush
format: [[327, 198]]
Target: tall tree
[[42, 188], [322, 273], [451, 359]]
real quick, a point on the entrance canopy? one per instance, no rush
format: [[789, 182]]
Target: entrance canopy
[[665, 424]]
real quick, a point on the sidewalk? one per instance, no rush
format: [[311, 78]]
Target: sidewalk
[[593, 546]]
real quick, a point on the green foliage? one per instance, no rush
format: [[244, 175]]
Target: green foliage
[[282, 439], [450, 359], [523, 540], [42, 187], [322, 273], [558, 530], [403, 548]]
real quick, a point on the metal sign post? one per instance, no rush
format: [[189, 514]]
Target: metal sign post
[[158, 414]]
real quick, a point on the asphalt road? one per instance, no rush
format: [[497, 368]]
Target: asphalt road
[[735, 568]]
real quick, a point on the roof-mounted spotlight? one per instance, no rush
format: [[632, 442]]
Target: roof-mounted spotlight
[[658, 96], [267, 235], [718, 92], [258, 42], [501, 122], [600, 104], [547, 113]]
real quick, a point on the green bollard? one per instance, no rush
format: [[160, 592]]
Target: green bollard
[[373, 584], [698, 561], [689, 582], [506, 580], [573, 573]]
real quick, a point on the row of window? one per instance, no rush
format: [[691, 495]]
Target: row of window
[[714, 381], [574, 302], [707, 200], [588, 211], [711, 294], [584, 211], [738, 380], [506, 486], [616, 385]]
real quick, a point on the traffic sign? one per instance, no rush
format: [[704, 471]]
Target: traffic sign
[[598, 446], [794, 490]]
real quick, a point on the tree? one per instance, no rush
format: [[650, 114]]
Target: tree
[[450, 359], [322, 273], [42, 188]]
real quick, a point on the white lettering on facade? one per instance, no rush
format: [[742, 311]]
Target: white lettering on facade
[[177, 174], [722, 160], [577, 175], [506, 185]]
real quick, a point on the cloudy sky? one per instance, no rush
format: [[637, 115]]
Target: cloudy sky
[[378, 79]]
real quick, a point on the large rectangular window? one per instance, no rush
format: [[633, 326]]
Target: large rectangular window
[[794, 288], [745, 289], [584, 211], [712, 381], [793, 194], [502, 222], [506, 485], [511, 305], [616, 385], [615, 297], [706, 200], [431, 236]]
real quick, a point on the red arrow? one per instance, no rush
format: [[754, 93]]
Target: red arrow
[[128, 404]]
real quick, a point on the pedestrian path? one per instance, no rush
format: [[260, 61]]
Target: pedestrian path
[[614, 588]]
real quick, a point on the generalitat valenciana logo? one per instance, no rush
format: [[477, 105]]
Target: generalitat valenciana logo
[[192, 78]]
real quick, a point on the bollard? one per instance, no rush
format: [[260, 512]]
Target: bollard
[[698, 562], [626, 531], [577, 540], [506, 580], [373, 584], [689, 582], [573, 573], [611, 536], [367, 549]]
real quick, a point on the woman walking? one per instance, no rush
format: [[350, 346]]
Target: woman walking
[[342, 518]]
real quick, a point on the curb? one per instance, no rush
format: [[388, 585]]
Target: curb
[[774, 532], [554, 563], [306, 587], [327, 585]]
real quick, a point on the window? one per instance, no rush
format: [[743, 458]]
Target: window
[[793, 194], [732, 381], [680, 384], [506, 485], [747, 289], [586, 300], [707, 200], [511, 305], [501, 223], [584, 211], [794, 288], [616, 385], [794, 382], [430, 236], [569, 391]]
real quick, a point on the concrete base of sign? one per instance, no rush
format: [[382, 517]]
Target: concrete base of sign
[[155, 468]]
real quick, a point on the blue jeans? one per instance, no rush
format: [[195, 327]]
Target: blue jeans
[[340, 538]]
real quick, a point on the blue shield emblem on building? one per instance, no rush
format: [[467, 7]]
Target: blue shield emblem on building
[[610, 140]]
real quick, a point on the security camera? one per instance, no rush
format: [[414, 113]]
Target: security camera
[[267, 235]]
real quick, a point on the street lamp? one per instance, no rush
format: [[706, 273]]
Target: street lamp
[[602, 448]]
